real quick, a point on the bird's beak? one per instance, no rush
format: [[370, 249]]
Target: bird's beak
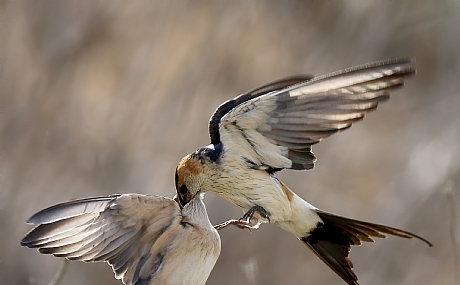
[[182, 203], [178, 200]]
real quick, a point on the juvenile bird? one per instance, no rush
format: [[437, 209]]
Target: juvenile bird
[[147, 240], [273, 127]]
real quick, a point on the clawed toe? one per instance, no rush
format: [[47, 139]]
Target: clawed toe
[[250, 214], [246, 221], [242, 224]]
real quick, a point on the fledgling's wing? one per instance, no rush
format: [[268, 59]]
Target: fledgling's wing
[[277, 129], [118, 229]]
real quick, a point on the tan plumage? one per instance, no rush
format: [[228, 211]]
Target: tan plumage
[[147, 240], [274, 127]]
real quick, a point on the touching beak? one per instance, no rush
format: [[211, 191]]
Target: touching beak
[[182, 203], [179, 201]]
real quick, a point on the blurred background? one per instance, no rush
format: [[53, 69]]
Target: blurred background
[[103, 97]]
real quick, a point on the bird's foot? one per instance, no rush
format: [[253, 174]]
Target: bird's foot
[[247, 221], [238, 223], [249, 215]]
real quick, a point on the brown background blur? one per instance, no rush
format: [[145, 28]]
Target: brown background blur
[[102, 97]]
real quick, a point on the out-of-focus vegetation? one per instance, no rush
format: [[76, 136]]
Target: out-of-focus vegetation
[[102, 97]]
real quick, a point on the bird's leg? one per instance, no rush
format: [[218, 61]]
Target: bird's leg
[[246, 221], [247, 217], [237, 223]]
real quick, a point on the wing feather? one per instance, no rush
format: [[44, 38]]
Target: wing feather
[[119, 229], [280, 126], [225, 107]]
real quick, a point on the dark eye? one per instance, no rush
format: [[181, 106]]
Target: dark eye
[[183, 190]]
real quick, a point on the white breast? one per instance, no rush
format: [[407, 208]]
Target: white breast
[[192, 258], [246, 188]]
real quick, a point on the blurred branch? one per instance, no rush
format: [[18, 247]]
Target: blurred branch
[[450, 192], [251, 271], [58, 276], [61, 272]]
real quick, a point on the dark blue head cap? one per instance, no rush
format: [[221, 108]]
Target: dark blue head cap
[[211, 151]]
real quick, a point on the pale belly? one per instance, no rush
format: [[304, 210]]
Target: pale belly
[[250, 188], [255, 188]]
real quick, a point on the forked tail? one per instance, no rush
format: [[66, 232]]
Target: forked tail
[[332, 241]]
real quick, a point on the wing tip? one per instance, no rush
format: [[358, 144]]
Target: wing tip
[[24, 242], [404, 66], [70, 209], [37, 219]]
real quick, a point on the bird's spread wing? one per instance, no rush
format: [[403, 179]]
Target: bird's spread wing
[[225, 107], [119, 229], [277, 128]]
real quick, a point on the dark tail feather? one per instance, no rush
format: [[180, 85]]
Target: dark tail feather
[[332, 241]]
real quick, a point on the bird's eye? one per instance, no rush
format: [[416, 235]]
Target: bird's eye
[[183, 190]]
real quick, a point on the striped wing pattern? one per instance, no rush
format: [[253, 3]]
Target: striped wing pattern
[[281, 126], [118, 229]]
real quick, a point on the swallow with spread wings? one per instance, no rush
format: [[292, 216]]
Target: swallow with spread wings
[[148, 240], [274, 127]]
